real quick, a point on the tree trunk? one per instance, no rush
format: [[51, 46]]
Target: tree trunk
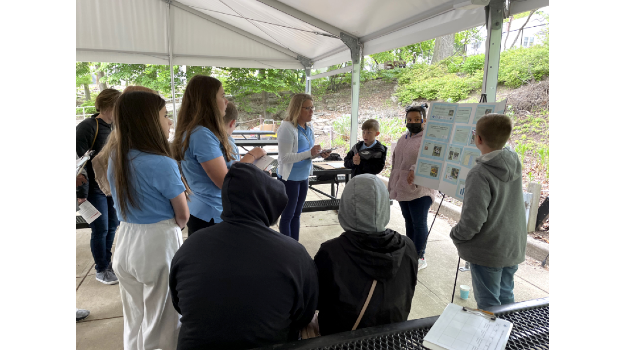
[[101, 84], [87, 92], [443, 47], [521, 29], [508, 33], [264, 95]]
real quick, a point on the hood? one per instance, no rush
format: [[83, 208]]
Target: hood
[[379, 255], [504, 164], [364, 205], [250, 194]]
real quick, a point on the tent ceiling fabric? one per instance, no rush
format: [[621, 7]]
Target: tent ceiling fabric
[[252, 34]]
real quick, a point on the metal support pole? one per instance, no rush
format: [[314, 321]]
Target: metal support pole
[[171, 60], [495, 15], [355, 46], [308, 87]]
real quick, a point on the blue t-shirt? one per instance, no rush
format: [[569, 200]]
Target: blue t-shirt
[[236, 151], [305, 141], [155, 180], [365, 146], [205, 200]]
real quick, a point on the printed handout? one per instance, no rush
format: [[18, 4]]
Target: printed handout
[[428, 169], [469, 156], [460, 191], [434, 150], [443, 112], [482, 110], [463, 114], [451, 173], [461, 135], [438, 132], [472, 139], [453, 154]]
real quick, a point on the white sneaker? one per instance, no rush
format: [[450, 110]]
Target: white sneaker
[[422, 264]]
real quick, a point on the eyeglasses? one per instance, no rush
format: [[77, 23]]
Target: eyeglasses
[[309, 108]]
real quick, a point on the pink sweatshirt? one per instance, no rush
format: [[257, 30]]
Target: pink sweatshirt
[[404, 161]]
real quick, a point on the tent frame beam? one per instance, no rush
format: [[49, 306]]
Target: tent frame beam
[[304, 17], [494, 24], [170, 46], [355, 48], [233, 28]]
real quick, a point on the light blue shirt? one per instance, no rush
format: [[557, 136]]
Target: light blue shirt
[[205, 200], [305, 141], [236, 150], [363, 147], [155, 180]]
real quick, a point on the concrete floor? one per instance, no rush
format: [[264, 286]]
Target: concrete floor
[[103, 328]]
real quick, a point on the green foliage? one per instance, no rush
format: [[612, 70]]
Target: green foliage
[[433, 82], [473, 64], [156, 77], [90, 104], [530, 176], [522, 65], [83, 73], [543, 153], [341, 126], [521, 150]]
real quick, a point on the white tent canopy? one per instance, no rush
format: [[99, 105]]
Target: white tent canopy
[[262, 33]]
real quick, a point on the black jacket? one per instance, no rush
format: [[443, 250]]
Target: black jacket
[[85, 132], [372, 160], [348, 265], [240, 284]]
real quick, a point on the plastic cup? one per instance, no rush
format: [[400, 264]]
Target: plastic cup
[[464, 291]]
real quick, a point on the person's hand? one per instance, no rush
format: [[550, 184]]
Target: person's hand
[[356, 159], [315, 151], [410, 178], [325, 154], [81, 200], [257, 152], [80, 180]]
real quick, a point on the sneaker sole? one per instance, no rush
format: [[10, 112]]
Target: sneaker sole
[[80, 319], [423, 266], [109, 283]]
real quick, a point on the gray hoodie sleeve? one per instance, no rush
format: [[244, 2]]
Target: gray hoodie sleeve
[[474, 208]]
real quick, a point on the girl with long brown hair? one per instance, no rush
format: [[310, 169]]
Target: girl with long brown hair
[[150, 198], [202, 147]]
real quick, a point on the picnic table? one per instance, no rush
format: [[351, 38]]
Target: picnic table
[[530, 330], [256, 133]]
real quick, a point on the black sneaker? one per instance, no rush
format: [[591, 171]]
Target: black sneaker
[[110, 267]]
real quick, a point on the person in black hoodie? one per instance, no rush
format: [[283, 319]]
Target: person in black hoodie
[[92, 134], [369, 155], [366, 251], [239, 284]]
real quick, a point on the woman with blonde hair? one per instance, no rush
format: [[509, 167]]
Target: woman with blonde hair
[[296, 148], [151, 202], [201, 146]]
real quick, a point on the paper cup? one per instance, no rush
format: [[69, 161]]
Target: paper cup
[[464, 291]]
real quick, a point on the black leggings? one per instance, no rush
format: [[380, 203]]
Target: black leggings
[[196, 224]]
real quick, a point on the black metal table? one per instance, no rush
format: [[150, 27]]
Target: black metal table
[[255, 143], [530, 330]]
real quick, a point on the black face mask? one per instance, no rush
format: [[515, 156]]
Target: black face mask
[[414, 128]]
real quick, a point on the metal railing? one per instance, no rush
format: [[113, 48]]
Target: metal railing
[[84, 115]]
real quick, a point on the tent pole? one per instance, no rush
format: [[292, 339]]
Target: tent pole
[[171, 61], [495, 15], [355, 47], [308, 88]]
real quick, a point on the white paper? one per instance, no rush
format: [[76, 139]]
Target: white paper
[[337, 165], [264, 162], [456, 329], [88, 212]]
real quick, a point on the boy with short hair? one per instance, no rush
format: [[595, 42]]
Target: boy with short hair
[[230, 120], [492, 232], [367, 156]]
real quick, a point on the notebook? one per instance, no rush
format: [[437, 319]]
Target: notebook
[[459, 328]]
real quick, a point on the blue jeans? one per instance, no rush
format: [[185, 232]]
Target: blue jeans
[[493, 286], [415, 214], [289, 220], [102, 228]]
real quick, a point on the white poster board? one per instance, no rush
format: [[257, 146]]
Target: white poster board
[[448, 149]]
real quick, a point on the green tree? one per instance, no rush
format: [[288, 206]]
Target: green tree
[[83, 77], [153, 76]]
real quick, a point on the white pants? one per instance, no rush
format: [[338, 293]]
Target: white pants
[[142, 260]]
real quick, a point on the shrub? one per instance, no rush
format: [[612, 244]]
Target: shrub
[[521, 65], [473, 64]]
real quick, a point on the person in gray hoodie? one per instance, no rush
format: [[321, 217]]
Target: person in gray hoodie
[[366, 252], [492, 233]]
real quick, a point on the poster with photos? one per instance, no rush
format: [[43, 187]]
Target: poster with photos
[[448, 150]]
